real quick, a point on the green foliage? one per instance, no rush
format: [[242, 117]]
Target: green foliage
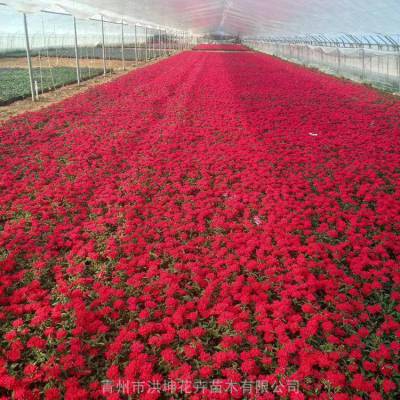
[[14, 82]]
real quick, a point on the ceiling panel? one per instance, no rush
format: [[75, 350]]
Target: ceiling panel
[[243, 17]]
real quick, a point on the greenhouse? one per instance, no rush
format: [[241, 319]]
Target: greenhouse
[[200, 200]]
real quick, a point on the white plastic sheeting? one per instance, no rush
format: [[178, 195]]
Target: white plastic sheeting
[[378, 68], [243, 17], [46, 50]]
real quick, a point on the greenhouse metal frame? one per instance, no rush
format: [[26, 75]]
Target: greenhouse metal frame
[[374, 59], [124, 44]]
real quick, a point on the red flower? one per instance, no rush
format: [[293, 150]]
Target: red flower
[[214, 215], [52, 394], [388, 386]]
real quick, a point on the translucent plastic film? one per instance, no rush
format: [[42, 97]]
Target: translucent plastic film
[[380, 68], [244, 17], [41, 51]]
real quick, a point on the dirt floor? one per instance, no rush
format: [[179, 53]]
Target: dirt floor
[[45, 62], [46, 99]]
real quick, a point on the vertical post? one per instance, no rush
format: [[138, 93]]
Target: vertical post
[[387, 67], [153, 43], [122, 45], [370, 64], [41, 75], [104, 47], [146, 53], [150, 39], [398, 69], [165, 42], [379, 64], [28, 56], [363, 63], [36, 90], [87, 60], [159, 42], [78, 72], [136, 44]]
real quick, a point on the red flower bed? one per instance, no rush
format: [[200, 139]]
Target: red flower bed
[[221, 47], [220, 225]]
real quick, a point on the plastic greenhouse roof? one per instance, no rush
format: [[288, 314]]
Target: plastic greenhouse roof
[[251, 18]]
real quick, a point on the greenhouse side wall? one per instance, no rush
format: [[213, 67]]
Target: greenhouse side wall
[[64, 50], [379, 68]]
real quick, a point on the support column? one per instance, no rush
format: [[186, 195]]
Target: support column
[[146, 52], [104, 47], [28, 56], [159, 42], [122, 45], [78, 72], [136, 44]]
